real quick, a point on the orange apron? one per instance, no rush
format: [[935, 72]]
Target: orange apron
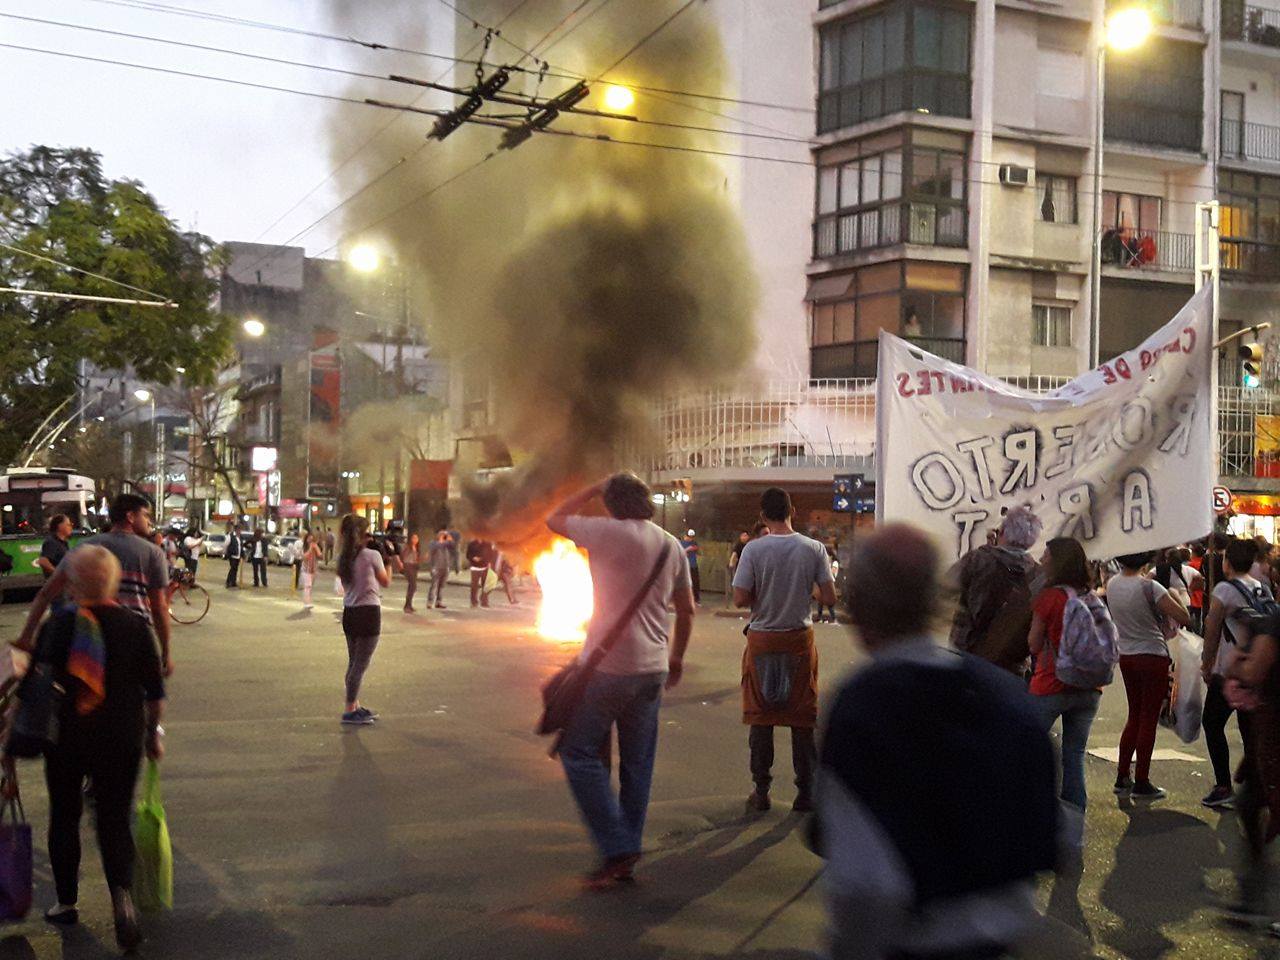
[[780, 679]]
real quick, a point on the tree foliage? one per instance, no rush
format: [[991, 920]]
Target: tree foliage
[[58, 203]]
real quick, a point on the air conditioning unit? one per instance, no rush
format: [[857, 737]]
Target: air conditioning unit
[[1012, 175]]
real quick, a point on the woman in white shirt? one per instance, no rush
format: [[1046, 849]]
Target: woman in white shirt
[[194, 545]]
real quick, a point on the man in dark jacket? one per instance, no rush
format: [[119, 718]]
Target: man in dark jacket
[[912, 872], [479, 559], [235, 550], [996, 584]]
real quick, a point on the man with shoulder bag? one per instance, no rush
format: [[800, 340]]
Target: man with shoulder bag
[[631, 653]]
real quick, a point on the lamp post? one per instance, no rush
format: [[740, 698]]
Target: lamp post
[[1124, 30], [143, 395]]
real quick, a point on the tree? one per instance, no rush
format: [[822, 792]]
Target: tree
[[57, 203]]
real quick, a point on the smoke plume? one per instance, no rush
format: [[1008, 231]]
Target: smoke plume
[[584, 279]]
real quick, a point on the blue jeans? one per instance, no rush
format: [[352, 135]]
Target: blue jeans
[[616, 822], [1077, 708]]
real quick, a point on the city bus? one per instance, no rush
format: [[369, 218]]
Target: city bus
[[29, 496]]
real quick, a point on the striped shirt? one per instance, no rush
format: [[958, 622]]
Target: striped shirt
[[142, 568]]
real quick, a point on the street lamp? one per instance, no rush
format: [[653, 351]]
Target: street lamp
[[1123, 31], [618, 99], [143, 395], [254, 327], [364, 258]]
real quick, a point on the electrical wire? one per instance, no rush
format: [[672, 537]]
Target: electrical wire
[[81, 270], [643, 40], [55, 295], [568, 33], [497, 33]]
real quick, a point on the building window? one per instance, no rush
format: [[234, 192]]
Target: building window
[[1250, 223], [1051, 325], [902, 189], [1130, 212], [1155, 95], [901, 56], [1057, 198], [923, 302]]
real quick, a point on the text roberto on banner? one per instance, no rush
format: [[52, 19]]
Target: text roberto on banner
[[1120, 458]]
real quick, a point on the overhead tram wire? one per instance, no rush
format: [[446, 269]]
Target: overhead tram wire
[[365, 103], [88, 273], [561, 74], [568, 33]]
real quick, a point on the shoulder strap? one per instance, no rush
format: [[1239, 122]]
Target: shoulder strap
[[610, 638]]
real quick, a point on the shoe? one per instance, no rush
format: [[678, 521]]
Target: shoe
[[1146, 790], [356, 718], [409, 610], [617, 869], [440, 606], [366, 712], [1220, 798], [758, 802], [1124, 785], [62, 915], [803, 803], [128, 933]]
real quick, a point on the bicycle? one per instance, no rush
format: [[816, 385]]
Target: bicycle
[[188, 601]]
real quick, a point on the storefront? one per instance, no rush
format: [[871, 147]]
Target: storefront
[[1255, 515]]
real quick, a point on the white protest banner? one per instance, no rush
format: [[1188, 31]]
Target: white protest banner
[[1120, 458]]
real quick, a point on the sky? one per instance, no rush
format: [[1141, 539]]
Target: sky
[[224, 159]]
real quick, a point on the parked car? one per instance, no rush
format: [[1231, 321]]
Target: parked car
[[282, 550], [215, 545]]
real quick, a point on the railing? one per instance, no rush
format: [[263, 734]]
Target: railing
[[830, 423], [1250, 258], [837, 362], [1249, 141], [1178, 13], [1250, 24], [1147, 124], [932, 224], [1148, 249]]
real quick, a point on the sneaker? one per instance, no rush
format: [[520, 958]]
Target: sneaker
[[357, 718], [1220, 798], [440, 606], [62, 915], [1146, 790], [758, 802], [372, 715], [1124, 785], [617, 869], [128, 933]]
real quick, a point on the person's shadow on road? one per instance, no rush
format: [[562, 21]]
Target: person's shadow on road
[[1157, 879]]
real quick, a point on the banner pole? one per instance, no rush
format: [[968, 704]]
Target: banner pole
[[1208, 255]]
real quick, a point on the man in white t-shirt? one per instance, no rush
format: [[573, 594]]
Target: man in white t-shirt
[[624, 550], [776, 577], [1228, 629]]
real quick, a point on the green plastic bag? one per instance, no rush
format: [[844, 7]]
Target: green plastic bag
[[153, 868]]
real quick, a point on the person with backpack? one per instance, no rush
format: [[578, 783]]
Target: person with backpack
[[936, 804], [1074, 644], [1234, 607], [995, 584], [1143, 611]]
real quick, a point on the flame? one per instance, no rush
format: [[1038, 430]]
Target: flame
[[565, 579]]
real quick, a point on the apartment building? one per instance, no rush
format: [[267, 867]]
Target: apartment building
[[955, 188]]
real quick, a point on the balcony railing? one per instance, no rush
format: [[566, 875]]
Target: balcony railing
[[1178, 13], [1241, 21], [1250, 258], [1148, 249], [932, 224], [771, 426], [1148, 125], [1249, 141]]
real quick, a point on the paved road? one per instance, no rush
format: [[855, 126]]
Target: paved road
[[445, 832]]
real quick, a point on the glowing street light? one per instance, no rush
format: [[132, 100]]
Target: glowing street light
[[364, 258], [254, 327], [1128, 29], [142, 395], [618, 98]]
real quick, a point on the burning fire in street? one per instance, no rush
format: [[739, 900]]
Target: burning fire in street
[[565, 579]]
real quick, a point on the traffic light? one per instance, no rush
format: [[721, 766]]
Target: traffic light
[[1251, 365]]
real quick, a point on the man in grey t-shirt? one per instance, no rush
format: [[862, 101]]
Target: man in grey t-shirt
[[776, 576]]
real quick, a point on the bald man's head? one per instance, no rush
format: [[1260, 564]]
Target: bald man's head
[[893, 584]]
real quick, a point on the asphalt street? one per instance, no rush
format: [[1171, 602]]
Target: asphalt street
[[445, 831]]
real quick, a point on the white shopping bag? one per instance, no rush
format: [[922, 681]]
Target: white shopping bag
[[1186, 698]]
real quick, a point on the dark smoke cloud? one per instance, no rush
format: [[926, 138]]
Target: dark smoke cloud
[[587, 278]]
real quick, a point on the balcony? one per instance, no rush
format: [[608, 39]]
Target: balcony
[[1175, 13], [1252, 259], [1147, 125], [1249, 141], [260, 381], [1249, 24], [1148, 250], [844, 360], [930, 224]]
